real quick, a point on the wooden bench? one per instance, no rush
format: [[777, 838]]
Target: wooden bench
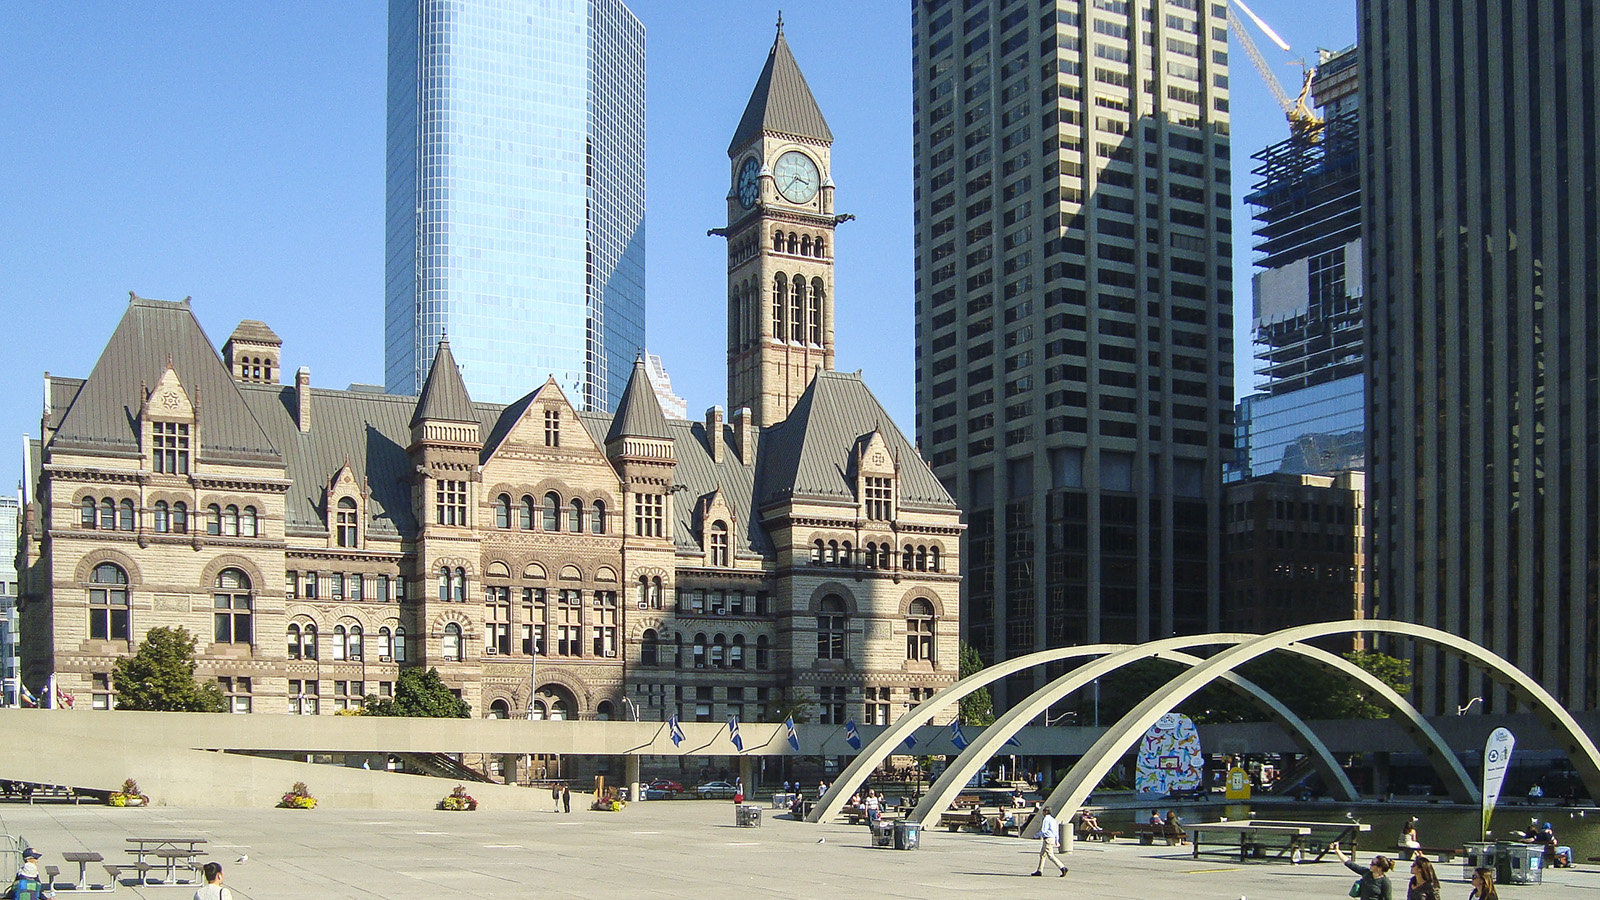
[[1097, 835], [1147, 833], [1438, 854]]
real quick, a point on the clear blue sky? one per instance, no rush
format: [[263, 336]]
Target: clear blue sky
[[234, 153]]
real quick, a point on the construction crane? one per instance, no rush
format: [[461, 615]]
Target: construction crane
[[1303, 121]]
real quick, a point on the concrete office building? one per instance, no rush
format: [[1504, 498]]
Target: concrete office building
[[1482, 240], [1309, 334], [1074, 310], [516, 195]]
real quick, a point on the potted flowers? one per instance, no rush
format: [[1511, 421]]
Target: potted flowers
[[128, 795], [299, 797], [459, 800]]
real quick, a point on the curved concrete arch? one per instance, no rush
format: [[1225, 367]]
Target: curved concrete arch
[[885, 744], [1083, 777], [944, 791]]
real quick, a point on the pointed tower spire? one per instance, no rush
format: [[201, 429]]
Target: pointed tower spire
[[444, 394], [781, 101], [638, 413]]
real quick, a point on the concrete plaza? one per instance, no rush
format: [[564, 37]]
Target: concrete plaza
[[656, 849]]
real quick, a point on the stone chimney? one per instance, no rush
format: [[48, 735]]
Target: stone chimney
[[302, 399], [714, 441], [744, 435]]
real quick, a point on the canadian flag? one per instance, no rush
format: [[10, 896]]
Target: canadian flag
[[64, 700]]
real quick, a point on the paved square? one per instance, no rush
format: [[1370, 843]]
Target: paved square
[[657, 850]]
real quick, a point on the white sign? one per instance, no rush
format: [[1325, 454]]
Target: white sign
[[1496, 759]]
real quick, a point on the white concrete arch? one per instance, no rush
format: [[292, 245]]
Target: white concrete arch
[[944, 791], [1080, 781]]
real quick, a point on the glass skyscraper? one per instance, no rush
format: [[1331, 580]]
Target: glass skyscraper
[[516, 195]]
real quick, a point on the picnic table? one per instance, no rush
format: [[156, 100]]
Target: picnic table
[[1291, 839], [82, 858], [165, 848]]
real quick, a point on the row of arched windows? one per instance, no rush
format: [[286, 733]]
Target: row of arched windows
[[801, 245], [347, 642], [256, 368], [107, 514], [719, 651], [916, 558], [551, 515], [797, 312], [453, 584]]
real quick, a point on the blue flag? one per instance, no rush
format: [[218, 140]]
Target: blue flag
[[956, 737], [850, 735], [794, 739], [733, 733], [911, 741], [675, 731]]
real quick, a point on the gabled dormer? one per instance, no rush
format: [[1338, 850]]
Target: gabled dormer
[[169, 426], [717, 523], [344, 504], [542, 424], [876, 473]]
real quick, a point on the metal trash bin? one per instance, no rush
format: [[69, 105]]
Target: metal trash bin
[[907, 835], [782, 800], [1477, 854], [1519, 864], [747, 815], [882, 834]]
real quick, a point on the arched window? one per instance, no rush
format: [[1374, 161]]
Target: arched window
[[499, 710], [108, 603], [870, 555], [345, 521], [525, 514], [830, 554], [933, 559], [461, 585], [87, 518], [794, 243], [719, 543], [655, 592], [597, 518], [450, 646], [922, 559], [180, 518], [763, 652], [214, 519], [247, 521], [847, 555], [355, 642], [558, 710], [232, 608], [649, 649], [814, 318], [125, 516], [502, 511], [294, 641], [308, 642], [537, 711], [908, 558], [230, 521], [797, 309], [602, 711], [644, 592], [700, 651], [385, 644], [777, 241], [736, 652], [552, 512], [718, 649], [341, 643], [819, 246], [108, 514], [805, 245], [162, 517], [444, 583], [919, 630], [780, 303], [884, 552], [399, 644], [816, 552], [831, 628], [575, 516]]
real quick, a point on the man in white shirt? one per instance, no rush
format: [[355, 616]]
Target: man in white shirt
[[1049, 839], [213, 889]]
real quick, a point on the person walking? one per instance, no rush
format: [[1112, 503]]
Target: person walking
[[1374, 883], [555, 795], [1049, 839], [566, 797], [1483, 885], [213, 889], [1424, 884]]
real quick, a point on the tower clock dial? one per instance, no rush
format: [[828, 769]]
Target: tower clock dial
[[749, 183], [797, 177]]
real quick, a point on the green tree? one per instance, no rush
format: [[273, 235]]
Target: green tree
[[977, 708], [419, 694], [160, 676], [1353, 701]]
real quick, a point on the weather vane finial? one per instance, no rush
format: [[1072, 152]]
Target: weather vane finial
[[780, 22]]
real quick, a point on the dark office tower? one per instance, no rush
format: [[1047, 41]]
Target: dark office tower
[[1483, 360], [1074, 310]]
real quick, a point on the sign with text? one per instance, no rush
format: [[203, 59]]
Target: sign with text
[[1496, 759]]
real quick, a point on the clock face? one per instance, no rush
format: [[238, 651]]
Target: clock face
[[749, 183], [797, 177]]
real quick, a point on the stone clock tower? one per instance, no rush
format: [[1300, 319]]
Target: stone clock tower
[[780, 243]]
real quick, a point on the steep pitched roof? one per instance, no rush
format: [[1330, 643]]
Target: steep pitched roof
[[103, 416], [809, 453], [256, 332], [781, 102], [444, 394], [638, 412]]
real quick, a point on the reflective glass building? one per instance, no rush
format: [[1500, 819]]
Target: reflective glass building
[[516, 195]]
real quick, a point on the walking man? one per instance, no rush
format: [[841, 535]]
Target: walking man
[[1049, 839]]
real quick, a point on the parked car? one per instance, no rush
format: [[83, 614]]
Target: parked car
[[665, 784], [720, 790]]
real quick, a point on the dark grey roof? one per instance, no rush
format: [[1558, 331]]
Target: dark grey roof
[[809, 453], [639, 411], [781, 102], [444, 394], [63, 391], [104, 414], [255, 332]]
